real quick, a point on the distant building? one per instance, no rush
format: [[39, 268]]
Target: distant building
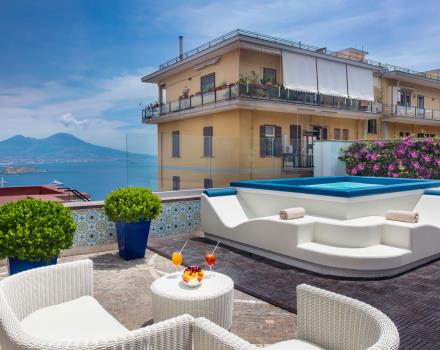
[[48, 193], [247, 106]]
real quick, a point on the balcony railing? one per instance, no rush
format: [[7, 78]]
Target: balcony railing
[[412, 112], [259, 92], [297, 161]]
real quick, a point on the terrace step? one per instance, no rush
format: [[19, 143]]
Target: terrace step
[[375, 257]]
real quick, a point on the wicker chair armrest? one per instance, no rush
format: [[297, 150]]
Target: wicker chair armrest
[[208, 335], [334, 321], [173, 334]]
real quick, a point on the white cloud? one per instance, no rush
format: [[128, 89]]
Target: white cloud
[[387, 29], [100, 111], [69, 120]]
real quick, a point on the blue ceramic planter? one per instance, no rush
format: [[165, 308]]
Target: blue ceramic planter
[[132, 239], [17, 265]]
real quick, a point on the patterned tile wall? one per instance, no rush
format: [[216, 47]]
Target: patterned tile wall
[[94, 228]]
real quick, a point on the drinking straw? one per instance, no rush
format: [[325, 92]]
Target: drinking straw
[[215, 248], [183, 247]]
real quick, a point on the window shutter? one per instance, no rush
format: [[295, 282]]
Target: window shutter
[[278, 145], [263, 150], [207, 183], [175, 144], [176, 183], [207, 141], [295, 138]]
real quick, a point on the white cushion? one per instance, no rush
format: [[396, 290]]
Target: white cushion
[[294, 344], [81, 318]]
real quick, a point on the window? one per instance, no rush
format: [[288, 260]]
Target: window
[[207, 183], [207, 141], [405, 99], [320, 133], [372, 126], [337, 134], [207, 82], [176, 183], [402, 134], [345, 134], [421, 102], [270, 141], [176, 144], [269, 75]]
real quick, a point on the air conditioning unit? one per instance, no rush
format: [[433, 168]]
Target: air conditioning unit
[[288, 149]]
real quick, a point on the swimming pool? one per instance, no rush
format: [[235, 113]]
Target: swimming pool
[[339, 186], [344, 231]]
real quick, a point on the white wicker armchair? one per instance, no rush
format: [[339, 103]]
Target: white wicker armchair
[[336, 322], [27, 293]]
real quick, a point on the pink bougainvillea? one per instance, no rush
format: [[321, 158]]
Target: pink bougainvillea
[[407, 158]]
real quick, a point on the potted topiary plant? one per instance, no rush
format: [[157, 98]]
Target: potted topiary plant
[[132, 209], [33, 233]]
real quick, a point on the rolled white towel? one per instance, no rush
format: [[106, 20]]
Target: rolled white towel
[[411, 217], [292, 213]]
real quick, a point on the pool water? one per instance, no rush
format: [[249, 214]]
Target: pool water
[[339, 186], [342, 185]]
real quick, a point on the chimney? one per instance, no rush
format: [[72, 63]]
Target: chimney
[[181, 47]]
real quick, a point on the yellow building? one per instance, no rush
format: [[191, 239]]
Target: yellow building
[[247, 106]]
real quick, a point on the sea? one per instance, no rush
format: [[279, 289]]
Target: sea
[[95, 178]]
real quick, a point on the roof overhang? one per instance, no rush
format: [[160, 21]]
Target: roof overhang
[[412, 79], [244, 42]]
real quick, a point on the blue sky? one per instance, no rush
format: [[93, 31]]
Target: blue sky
[[75, 65]]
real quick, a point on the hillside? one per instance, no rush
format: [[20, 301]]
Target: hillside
[[57, 148]]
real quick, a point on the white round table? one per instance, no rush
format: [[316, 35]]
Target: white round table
[[212, 299]]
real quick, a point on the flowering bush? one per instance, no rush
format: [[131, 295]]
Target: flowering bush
[[406, 158]]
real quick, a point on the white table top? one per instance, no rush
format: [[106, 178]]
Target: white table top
[[171, 286]]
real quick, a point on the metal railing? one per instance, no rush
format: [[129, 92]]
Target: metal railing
[[412, 112], [296, 44], [297, 161], [74, 195], [259, 92]]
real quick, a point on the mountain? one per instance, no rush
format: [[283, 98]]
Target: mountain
[[58, 148]]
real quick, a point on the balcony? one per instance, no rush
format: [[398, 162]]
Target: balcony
[[257, 92], [422, 114]]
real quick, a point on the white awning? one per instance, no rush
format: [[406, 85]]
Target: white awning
[[360, 83], [332, 78], [299, 72]]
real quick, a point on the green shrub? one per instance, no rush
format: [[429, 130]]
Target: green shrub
[[132, 204], [35, 230]]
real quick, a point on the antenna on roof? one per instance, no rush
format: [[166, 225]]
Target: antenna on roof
[[181, 47]]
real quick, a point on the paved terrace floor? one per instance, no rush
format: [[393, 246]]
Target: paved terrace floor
[[411, 300], [123, 288]]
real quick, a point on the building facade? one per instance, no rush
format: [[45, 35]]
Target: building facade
[[248, 106]]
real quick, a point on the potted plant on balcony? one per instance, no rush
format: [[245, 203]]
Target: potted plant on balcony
[[132, 209], [33, 233]]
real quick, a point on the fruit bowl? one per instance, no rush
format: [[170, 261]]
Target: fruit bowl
[[192, 276]]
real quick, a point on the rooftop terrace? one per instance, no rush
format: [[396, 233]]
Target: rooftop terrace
[[386, 67], [265, 296]]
